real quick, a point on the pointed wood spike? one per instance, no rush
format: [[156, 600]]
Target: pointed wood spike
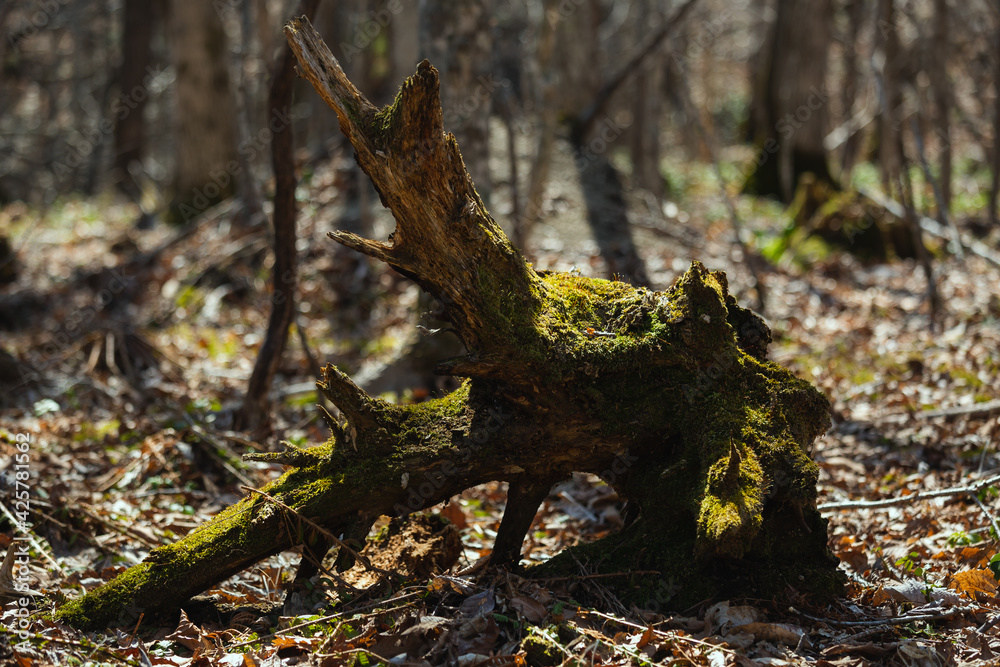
[[419, 107], [376, 249], [733, 466], [317, 62], [330, 420], [357, 406]]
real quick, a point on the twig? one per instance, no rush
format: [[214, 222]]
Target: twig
[[586, 118], [606, 575], [43, 640], [934, 228], [989, 515], [314, 366], [912, 498], [975, 410], [942, 207], [330, 617], [304, 341], [124, 532], [661, 633], [76, 531], [895, 620], [205, 437]]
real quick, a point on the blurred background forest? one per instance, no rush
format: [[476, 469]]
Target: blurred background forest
[[839, 159]]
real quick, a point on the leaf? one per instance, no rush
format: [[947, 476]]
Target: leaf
[[971, 582], [454, 513], [295, 641], [479, 604], [908, 590], [188, 634], [531, 609]]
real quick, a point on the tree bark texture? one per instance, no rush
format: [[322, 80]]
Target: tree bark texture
[[647, 96], [666, 395], [790, 99], [205, 112], [130, 130]]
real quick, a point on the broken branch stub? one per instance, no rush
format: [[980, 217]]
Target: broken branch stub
[[668, 396], [445, 239]]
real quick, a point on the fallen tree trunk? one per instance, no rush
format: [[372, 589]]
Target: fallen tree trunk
[[666, 395]]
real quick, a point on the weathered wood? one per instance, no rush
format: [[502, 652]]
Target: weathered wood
[[666, 395]]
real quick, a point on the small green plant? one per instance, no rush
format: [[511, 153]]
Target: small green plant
[[908, 564], [960, 538], [988, 493]]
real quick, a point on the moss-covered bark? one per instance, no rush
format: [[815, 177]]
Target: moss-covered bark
[[666, 395]]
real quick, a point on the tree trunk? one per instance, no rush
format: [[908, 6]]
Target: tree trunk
[[256, 410], [666, 395], [995, 166], [895, 175], [130, 131], [790, 105], [852, 64], [591, 135], [545, 105], [941, 91], [644, 134], [205, 135], [891, 97]]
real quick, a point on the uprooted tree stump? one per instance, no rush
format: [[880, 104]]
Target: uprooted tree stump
[[666, 395]]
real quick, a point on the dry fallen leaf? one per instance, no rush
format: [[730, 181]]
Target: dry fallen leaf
[[188, 634], [971, 582], [531, 609]]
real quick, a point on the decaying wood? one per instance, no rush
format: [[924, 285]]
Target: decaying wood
[[666, 395]]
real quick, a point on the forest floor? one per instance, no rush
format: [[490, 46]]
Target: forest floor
[[141, 364]]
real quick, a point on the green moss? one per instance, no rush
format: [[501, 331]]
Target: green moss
[[542, 651], [731, 429], [676, 378]]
